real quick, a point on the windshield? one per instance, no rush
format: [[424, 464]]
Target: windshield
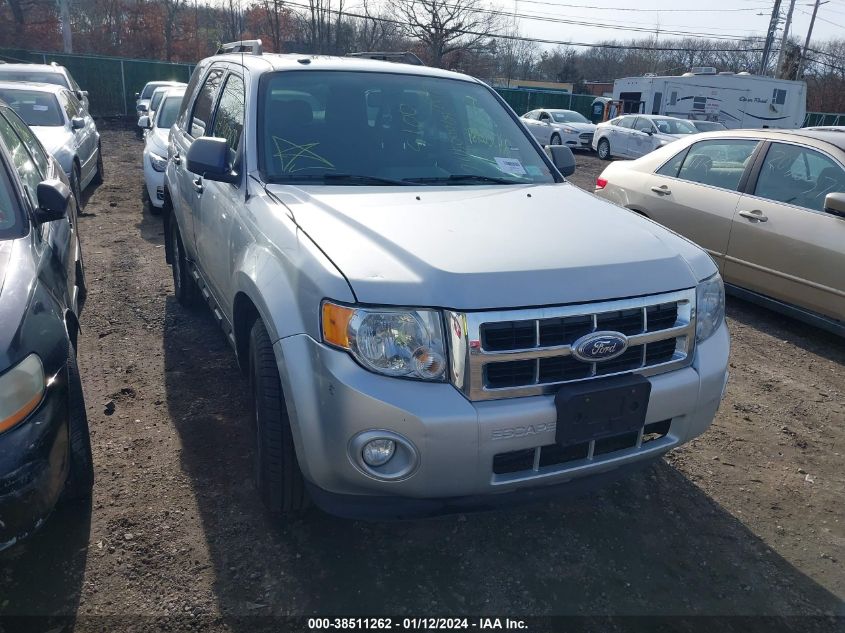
[[150, 88], [709, 126], [168, 112], [568, 116], [674, 126], [34, 107], [30, 76], [398, 129]]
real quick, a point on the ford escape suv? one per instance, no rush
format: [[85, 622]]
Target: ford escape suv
[[430, 316]]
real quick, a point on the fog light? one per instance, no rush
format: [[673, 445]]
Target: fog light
[[378, 452]]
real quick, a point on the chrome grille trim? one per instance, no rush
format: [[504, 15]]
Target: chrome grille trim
[[469, 358]]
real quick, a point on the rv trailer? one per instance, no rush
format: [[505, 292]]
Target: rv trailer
[[739, 100]]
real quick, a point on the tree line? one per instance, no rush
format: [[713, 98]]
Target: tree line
[[465, 35]]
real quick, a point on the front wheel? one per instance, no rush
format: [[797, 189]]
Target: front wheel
[[76, 185], [184, 286], [277, 474], [100, 175], [555, 140], [80, 478], [603, 149]]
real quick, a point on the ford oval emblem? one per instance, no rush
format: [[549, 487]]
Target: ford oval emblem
[[599, 346]]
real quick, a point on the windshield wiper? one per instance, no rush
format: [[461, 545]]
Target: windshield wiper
[[353, 179], [456, 178]]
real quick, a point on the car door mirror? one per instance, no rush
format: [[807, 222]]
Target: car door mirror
[[53, 200], [562, 158], [81, 94], [77, 123], [143, 107], [209, 157], [144, 122], [834, 203]]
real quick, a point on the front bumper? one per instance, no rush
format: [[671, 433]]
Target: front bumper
[[154, 182], [331, 399], [34, 465]]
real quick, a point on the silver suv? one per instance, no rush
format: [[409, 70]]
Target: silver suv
[[430, 316]]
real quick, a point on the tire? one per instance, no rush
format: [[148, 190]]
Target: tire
[[100, 175], [555, 140], [603, 149], [80, 479], [80, 276], [75, 186], [148, 203], [184, 286], [278, 477]]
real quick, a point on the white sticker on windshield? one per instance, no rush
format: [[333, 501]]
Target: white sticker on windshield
[[40, 108], [510, 165]]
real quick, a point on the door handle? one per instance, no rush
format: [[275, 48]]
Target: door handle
[[177, 160], [754, 216], [197, 182], [662, 189]]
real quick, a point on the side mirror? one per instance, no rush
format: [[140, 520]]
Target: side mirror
[[563, 158], [77, 123], [834, 203], [209, 157], [81, 94], [144, 122], [53, 200], [143, 107]]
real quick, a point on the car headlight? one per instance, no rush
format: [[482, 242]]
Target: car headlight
[[569, 130], [21, 390], [394, 342], [159, 163], [709, 307]]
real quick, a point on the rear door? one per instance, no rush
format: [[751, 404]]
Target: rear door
[[696, 192], [620, 136], [783, 243], [641, 140]]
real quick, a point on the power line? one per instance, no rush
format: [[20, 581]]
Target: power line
[[638, 10], [520, 38]]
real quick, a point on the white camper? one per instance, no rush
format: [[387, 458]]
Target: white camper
[[739, 100]]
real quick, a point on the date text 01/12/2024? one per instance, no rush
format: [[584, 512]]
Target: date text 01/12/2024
[[415, 624]]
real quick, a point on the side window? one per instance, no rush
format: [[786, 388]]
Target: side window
[[42, 162], [778, 96], [531, 116], [544, 116], [717, 163], [672, 167], [69, 104], [643, 125], [626, 122], [229, 120], [799, 175], [21, 161], [204, 104], [196, 77]]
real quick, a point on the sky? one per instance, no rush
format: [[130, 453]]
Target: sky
[[716, 18]]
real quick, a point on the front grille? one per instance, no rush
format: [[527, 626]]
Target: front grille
[[586, 138], [552, 456], [517, 353]]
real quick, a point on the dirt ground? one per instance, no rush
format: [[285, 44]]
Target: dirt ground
[[747, 520]]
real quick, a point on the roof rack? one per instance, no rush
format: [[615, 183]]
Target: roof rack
[[253, 47], [400, 57]]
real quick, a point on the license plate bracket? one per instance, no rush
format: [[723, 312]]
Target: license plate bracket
[[597, 409]]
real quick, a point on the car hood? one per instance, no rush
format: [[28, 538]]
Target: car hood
[[156, 140], [53, 137], [581, 127], [483, 247]]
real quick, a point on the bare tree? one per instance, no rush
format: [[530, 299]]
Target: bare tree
[[446, 26], [171, 10]]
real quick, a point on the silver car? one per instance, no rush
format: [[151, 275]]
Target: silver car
[[560, 127], [635, 135], [64, 127], [430, 315], [44, 73]]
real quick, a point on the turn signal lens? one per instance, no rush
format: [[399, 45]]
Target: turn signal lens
[[336, 324], [601, 183]]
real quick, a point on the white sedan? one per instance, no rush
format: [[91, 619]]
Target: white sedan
[[635, 135], [155, 147], [560, 127]]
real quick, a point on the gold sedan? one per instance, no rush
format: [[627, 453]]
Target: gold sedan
[[769, 207]]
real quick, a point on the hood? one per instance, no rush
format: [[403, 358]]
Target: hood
[[156, 140], [53, 137], [485, 247]]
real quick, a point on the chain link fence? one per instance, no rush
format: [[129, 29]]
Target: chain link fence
[[111, 82]]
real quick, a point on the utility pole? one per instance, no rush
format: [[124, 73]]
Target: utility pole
[[67, 37], [785, 40], [807, 41], [770, 36]]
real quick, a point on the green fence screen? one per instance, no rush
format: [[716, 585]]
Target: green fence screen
[[824, 118], [522, 100], [111, 82]]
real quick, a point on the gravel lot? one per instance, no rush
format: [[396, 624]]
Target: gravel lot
[[747, 520]]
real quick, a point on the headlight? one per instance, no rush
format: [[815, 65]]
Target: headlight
[[393, 342], [21, 390], [159, 163], [569, 130], [709, 307]]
